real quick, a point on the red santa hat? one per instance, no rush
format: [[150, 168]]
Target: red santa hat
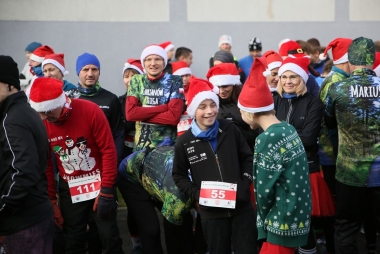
[[56, 60], [224, 74], [39, 53], [47, 94], [135, 64], [225, 39], [199, 91], [181, 68], [154, 49], [292, 49], [339, 48], [273, 60], [298, 65], [167, 45], [255, 96], [376, 64]]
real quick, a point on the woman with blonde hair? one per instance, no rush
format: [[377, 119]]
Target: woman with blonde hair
[[304, 111]]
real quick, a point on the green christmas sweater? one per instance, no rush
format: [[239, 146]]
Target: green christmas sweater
[[328, 138], [282, 186]]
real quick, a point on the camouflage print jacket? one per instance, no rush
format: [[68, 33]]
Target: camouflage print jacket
[[353, 105]]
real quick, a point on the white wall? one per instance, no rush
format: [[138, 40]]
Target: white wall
[[115, 30]]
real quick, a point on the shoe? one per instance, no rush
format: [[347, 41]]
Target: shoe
[[136, 250]]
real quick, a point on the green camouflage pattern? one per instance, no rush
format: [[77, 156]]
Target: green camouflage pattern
[[361, 52], [153, 94], [328, 138], [355, 104], [156, 178]]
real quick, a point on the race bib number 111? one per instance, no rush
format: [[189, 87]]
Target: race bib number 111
[[218, 194], [85, 188]]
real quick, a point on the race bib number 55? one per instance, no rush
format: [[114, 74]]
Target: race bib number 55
[[218, 194]]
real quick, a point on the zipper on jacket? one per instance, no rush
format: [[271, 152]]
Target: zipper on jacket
[[290, 110], [220, 172], [217, 162]]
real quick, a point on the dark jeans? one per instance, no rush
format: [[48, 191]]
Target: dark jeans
[[76, 217], [350, 213], [240, 228], [143, 210], [34, 240]]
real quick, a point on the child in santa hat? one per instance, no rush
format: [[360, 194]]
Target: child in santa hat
[[221, 193], [280, 175]]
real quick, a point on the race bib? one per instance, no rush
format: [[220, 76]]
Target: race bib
[[218, 194], [83, 189]]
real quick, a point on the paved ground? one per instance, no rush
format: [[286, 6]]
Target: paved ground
[[127, 245]]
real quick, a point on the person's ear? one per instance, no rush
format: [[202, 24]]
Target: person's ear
[[9, 88]]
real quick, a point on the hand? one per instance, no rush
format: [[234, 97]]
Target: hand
[[196, 207], [105, 204], [58, 219]]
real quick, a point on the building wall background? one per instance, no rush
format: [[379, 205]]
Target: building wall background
[[115, 30]]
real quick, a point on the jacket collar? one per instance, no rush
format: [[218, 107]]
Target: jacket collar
[[12, 99]]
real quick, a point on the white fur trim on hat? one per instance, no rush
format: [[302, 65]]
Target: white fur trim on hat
[[377, 70], [154, 50], [169, 47], [130, 66], [55, 63], [294, 68], [49, 104], [198, 100], [224, 80], [256, 110], [273, 65], [266, 73], [322, 57], [36, 58], [182, 71], [343, 59]]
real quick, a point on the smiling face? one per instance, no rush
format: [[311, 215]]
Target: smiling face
[[290, 82], [225, 91], [272, 79], [89, 75], [206, 114], [154, 65]]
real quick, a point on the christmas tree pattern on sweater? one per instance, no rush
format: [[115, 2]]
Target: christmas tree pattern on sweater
[[281, 180]]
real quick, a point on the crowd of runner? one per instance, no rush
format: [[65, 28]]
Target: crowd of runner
[[276, 152]]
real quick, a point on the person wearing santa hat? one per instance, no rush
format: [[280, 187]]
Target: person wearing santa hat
[[155, 101], [351, 107], [25, 75], [26, 213], [169, 49], [80, 134], [226, 77], [305, 112], [328, 139], [273, 61], [131, 67], [53, 66], [35, 63], [218, 146], [290, 48], [280, 175]]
